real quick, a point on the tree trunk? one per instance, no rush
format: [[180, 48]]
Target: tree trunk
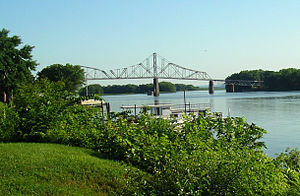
[[7, 96], [4, 97]]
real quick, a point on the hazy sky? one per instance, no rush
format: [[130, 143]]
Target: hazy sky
[[219, 37]]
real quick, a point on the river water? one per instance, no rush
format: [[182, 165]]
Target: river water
[[277, 112]]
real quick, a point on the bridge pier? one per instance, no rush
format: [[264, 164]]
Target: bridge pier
[[230, 88], [211, 88], [156, 87]]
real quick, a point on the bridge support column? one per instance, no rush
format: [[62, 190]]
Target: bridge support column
[[229, 88], [156, 87], [211, 88]]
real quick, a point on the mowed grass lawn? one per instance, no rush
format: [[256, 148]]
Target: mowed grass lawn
[[52, 169]]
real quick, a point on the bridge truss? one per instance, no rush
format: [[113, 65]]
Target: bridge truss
[[252, 83], [155, 66]]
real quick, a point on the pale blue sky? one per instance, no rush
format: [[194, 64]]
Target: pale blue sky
[[219, 37]]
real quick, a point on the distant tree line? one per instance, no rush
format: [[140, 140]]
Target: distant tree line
[[131, 88], [285, 79]]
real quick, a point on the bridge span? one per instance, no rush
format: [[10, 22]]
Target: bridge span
[[154, 67]]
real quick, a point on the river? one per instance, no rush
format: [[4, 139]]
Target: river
[[277, 112]]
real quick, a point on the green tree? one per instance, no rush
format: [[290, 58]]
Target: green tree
[[92, 90], [143, 88], [16, 64], [9, 120], [182, 87], [167, 87], [71, 75], [115, 89]]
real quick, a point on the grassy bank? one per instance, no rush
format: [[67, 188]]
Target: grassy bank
[[52, 169]]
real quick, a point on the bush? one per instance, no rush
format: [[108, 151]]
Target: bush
[[290, 164], [9, 121], [220, 172], [39, 106], [76, 126], [205, 155]]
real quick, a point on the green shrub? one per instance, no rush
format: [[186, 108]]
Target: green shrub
[[39, 106], [205, 155], [76, 126], [290, 163], [9, 120], [220, 172]]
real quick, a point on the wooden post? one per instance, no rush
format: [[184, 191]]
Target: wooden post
[[102, 108], [135, 111], [108, 109], [184, 101]]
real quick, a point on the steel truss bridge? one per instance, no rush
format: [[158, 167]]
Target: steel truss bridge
[[153, 67]]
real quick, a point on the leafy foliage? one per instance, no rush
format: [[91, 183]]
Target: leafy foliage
[[290, 159], [167, 87], [15, 63], [75, 126], [290, 162], [39, 105], [92, 90], [9, 122], [115, 89], [204, 156], [71, 75], [189, 87]]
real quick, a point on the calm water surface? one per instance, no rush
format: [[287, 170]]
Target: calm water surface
[[277, 112]]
